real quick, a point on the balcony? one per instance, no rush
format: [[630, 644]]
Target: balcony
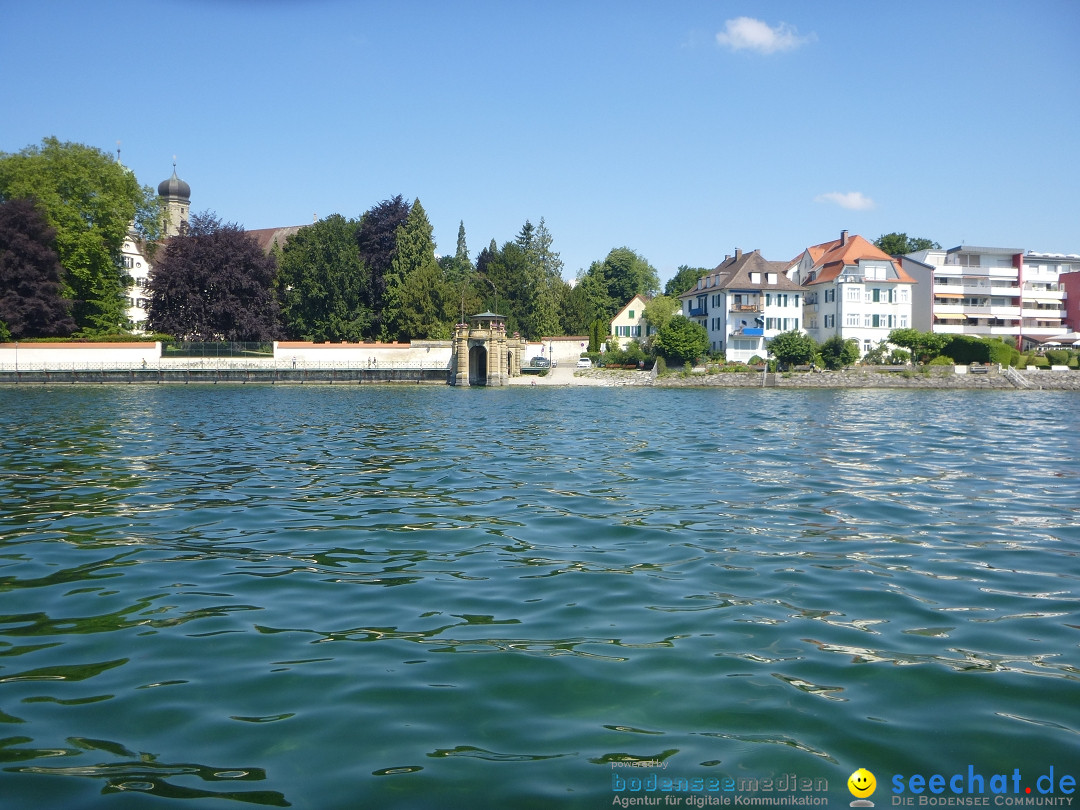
[[746, 308], [959, 310], [972, 287], [698, 312]]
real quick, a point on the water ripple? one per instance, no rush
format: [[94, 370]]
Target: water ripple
[[513, 591]]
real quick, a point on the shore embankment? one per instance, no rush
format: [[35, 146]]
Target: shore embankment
[[943, 377]]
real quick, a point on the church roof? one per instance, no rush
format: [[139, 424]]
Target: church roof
[[266, 237], [174, 187]]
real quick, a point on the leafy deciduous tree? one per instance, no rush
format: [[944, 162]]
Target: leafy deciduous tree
[[899, 244], [793, 348], [660, 310], [682, 339], [91, 200], [924, 346], [837, 352], [30, 271], [213, 282], [683, 280]]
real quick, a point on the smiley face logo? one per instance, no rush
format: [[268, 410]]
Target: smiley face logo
[[862, 783]]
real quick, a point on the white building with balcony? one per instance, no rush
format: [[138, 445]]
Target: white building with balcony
[[743, 303], [996, 292], [853, 290]]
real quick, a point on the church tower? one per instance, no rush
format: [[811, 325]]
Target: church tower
[[175, 196]]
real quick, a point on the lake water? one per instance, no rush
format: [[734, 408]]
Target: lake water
[[345, 597]]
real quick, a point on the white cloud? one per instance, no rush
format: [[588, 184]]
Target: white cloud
[[748, 34], [851, 200]]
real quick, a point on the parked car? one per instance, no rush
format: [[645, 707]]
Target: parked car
[[584, 362], [540, 362]]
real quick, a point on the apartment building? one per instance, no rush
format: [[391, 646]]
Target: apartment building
[[997, 291], [743, 303], [853, 290]]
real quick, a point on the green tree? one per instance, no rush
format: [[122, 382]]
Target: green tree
[[793, 348], [321, 282], [504, 283], [598, 330], [836, 352], [575, 314], [214, 282], [462, 253], [899, 244], [660, 310], [544, 284], [30, 301], [924, 346], [609, 284], [90, 200], [682, 340], [377, 240], [684, 280], [419, 302]]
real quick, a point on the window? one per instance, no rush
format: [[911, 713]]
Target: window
[[852, 319], [768, 299], [876, 292], [796, 299], [867, 345], [876, 321], [903, 321], [830, 295], [755, 278], [903, 295], [853, 294], [771, 278], [631, 313]]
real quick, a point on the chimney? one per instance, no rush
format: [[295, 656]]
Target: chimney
[[727, 258], [738, 254], [843, 238]]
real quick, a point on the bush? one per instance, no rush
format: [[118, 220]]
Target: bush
[[1001, 352], [966, 349], [660, 366], [756, 361], [836, 352], [1057, 357], [899, 357], [942, 360]]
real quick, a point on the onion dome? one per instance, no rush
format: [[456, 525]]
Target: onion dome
[[174, 187]]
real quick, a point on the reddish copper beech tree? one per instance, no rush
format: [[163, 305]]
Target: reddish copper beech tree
[[213, 282], [31, 304]]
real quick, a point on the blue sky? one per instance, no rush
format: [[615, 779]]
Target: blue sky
[[680, 129]]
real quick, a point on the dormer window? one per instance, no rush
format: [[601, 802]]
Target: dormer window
[[771, 277], [755, 278]]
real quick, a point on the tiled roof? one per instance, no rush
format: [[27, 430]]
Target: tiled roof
[[830, 258], [266, 237], [734, 273]]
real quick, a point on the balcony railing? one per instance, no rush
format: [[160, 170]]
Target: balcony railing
[[746, 308], [698, 312]]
